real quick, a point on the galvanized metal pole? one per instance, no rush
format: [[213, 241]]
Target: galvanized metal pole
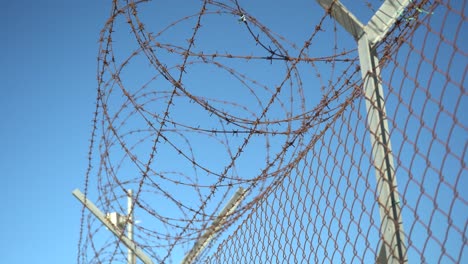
[[131, 256], [393, 248], [114, 229]]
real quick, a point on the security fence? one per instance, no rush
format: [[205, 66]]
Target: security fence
[[345, 140]]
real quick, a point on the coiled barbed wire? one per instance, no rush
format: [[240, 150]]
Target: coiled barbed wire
[[195, 102]]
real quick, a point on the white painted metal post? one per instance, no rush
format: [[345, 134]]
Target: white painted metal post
[[131, 256]]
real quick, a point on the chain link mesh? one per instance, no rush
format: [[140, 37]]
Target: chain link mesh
[[186, 114]]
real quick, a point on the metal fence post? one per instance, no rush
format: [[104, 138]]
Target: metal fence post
[[112, 227], [131, 256], [393, 249], [215, 227]]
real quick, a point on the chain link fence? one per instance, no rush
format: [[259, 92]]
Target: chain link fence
[[285, 118]]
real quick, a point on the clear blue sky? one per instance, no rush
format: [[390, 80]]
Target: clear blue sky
[[48, 84], [48, 87]]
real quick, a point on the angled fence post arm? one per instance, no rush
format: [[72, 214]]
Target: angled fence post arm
[[215, 226], [384, 18]]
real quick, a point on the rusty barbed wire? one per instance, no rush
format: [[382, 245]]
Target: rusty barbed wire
[[197, 101]]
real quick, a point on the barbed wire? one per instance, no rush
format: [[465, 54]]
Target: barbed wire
[[197, 101]]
